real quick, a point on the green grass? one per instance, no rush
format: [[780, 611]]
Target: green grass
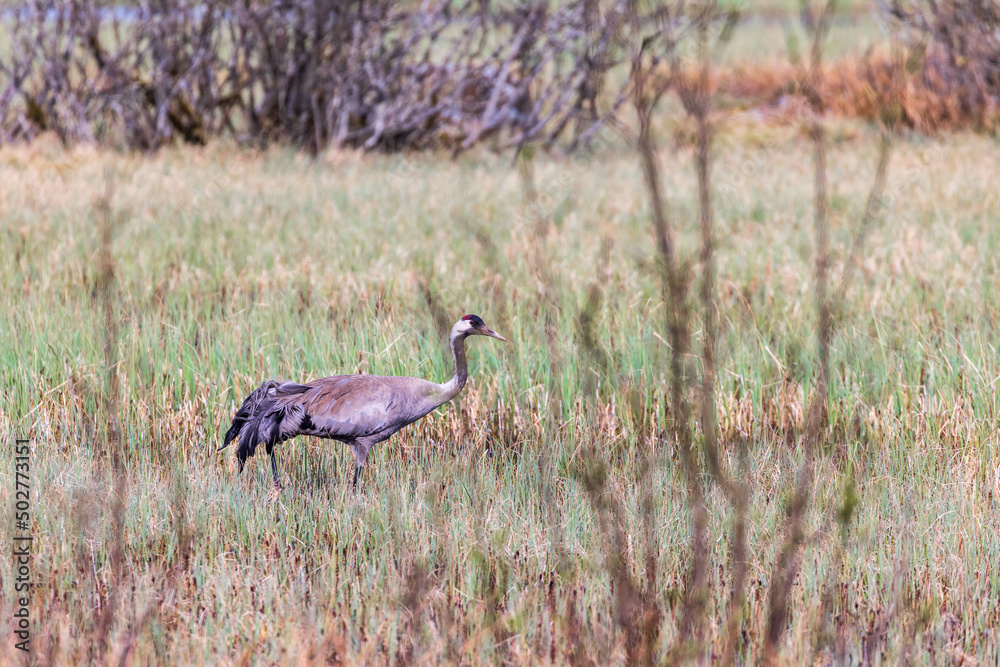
[[233, 268], [762, 40]]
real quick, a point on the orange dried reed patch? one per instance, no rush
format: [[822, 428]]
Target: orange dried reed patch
[[919, 94]]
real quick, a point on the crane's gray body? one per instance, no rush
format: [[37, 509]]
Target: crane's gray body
[[359, 410]]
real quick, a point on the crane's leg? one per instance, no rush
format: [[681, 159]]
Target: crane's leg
[[274, 471], [354, 486]]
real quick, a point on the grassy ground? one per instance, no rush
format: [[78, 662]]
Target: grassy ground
[[472, 538]]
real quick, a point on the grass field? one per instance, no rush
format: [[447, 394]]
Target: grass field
[[472, 538]]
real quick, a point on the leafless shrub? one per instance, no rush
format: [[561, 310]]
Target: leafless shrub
[[960, 40], [696, 96], [787, 566], [637, 611], [107, 220], [374, 74]]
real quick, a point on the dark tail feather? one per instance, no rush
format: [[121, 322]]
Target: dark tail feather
[[231, 433], [249, 411], [264, 426], [248, 442]]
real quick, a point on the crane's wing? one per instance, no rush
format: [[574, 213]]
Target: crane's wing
[[363, 406]]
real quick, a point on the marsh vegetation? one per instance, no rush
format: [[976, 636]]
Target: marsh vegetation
[[566, 509]]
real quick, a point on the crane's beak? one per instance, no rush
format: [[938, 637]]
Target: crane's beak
[[493, 334]]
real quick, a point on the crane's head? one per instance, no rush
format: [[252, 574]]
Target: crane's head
[[473, 325]]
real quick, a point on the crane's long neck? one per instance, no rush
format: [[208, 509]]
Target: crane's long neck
[[453, 386]]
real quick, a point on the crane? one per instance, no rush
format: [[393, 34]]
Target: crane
[[358, 410]]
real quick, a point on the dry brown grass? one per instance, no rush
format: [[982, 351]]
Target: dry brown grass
[[854, 87]]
